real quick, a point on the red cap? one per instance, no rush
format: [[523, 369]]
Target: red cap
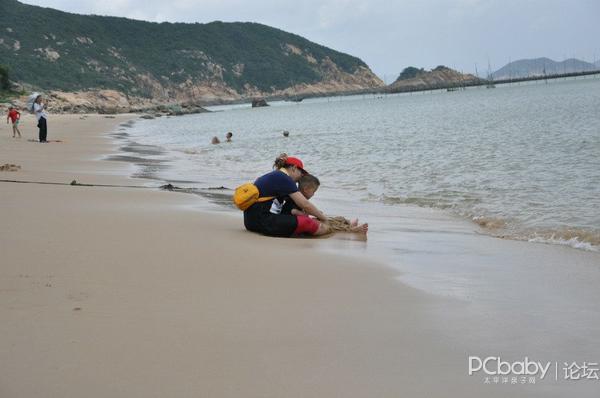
[[296, 162]]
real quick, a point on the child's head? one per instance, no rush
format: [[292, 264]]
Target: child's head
[[229, 135], [308, 185]]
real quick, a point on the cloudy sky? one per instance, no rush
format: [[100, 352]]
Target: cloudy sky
[[391, 34]]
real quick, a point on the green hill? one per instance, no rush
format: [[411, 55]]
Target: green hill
[[441, 77], [51, 49]]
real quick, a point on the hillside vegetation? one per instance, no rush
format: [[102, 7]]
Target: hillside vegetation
[[415, 79], [51, 49]]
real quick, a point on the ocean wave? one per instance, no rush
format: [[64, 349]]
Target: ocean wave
[[577, 238], [501, 227], [453, 200], [573, 242], [574, 237], [492, 223]]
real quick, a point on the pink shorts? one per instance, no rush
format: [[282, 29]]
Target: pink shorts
[[306, 225]]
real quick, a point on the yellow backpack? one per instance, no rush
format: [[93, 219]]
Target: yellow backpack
[[246, 195]]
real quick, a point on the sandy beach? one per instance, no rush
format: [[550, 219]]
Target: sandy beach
[[125, 292]]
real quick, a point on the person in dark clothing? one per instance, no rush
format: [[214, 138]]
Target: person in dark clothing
[[266, 217]]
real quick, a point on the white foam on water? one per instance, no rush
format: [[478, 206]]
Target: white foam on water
[[575, 243]]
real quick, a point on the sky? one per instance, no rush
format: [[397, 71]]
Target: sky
[[390, 35]]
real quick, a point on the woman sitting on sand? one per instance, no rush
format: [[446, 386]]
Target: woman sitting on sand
[[266, 218]]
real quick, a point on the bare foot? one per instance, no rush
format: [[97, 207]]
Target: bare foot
[[360, 229]]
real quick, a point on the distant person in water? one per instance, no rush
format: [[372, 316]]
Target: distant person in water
[[215, 140], [286, 133], [42, 116], [15, 117], [228, 136]]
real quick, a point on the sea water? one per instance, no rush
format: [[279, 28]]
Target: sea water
[[517, 161]]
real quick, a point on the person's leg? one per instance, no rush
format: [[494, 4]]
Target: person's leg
[[14, 130], [282, 225], [310, 226], [322, 230], [16, 127], [43, 129]]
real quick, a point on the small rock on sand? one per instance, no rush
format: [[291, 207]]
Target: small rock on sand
[[10, 167]]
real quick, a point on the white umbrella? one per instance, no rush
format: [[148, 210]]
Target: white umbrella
[[31, 100]]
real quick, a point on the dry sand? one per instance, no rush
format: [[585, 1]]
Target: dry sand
[[120, 292]]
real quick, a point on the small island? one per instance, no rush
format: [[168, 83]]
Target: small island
[[441, 77]]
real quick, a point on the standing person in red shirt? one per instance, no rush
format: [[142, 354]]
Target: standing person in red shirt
[[15, 117]]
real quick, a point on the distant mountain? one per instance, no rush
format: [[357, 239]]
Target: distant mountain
[[537, 66], [412, 79], [54, 50], [597, 64]]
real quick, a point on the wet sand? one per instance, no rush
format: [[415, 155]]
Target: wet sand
[[122, 292]]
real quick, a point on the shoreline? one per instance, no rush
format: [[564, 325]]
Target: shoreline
[[124, 293], [377, 91]]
